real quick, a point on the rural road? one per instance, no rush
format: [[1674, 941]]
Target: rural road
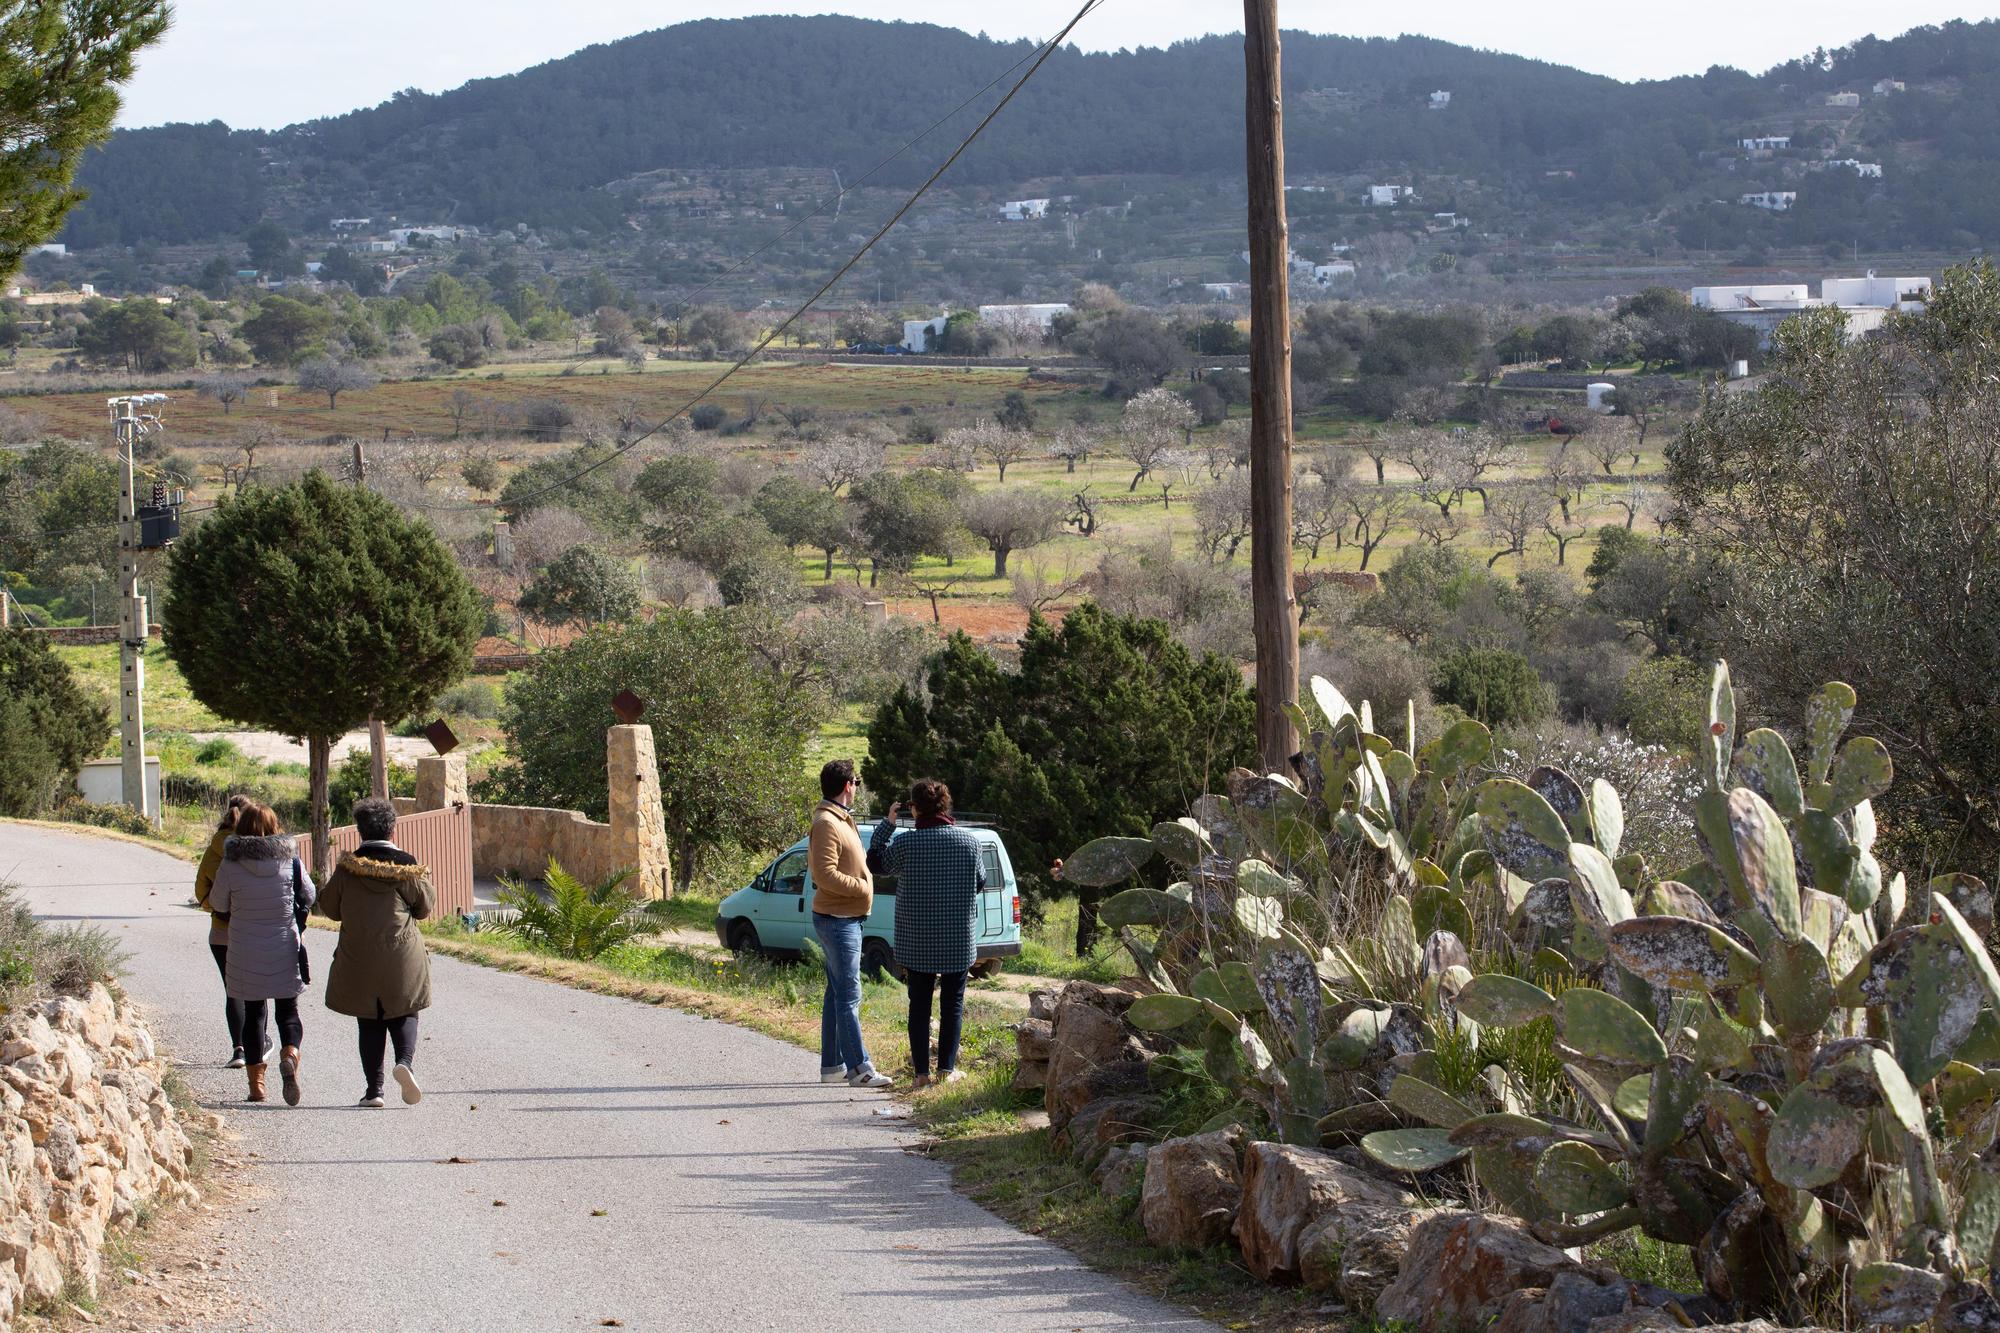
[[736, 1191]]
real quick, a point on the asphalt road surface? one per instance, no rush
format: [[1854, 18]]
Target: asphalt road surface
[[618, 1161]]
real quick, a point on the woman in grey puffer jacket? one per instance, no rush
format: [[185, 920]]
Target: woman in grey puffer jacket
[[265, 893]]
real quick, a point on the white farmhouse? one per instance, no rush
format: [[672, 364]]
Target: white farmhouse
[[1864, 302], [1024, 210], [917, 333], [1843, 99], [1884, 87], [1383, 196], [1766, 143], [1776, 201], [1035, 318], [1328, 274], [1440, 100]]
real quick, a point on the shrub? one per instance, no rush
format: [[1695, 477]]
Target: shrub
[[574, 920], [221, 750], [36, 960], [706, 416], [350, 782], [1664, 701], [1494, 685], [48, 725], [472, 698]]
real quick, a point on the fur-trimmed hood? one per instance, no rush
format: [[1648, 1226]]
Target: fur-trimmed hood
[[276, 847], [368, 868]]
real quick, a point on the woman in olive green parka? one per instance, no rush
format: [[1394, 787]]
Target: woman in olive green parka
[[381, 973]]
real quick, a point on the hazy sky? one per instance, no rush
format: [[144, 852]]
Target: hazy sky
[[267, 63]]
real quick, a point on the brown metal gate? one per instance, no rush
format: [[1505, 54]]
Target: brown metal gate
[[441, 840]]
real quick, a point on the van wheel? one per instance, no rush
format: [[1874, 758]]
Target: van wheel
[[878, 961], [743, 938]]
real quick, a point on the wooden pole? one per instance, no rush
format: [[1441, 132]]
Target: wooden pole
[[378, 735], [1272, 602]]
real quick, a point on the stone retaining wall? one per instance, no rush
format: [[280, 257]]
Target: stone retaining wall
[[87, 1134]]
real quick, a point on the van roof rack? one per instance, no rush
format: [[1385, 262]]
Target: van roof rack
[[964, 818]]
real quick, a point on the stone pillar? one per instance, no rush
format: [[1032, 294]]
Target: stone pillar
[[503, 544], [441, 782], [638, 822], [877, 612]]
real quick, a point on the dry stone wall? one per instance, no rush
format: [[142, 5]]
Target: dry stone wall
[[87, 1135]]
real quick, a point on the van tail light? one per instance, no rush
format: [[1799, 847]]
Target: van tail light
[[1017, 909]]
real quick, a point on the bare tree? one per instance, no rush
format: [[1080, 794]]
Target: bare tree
[[1633, 500], [1074, 443], [1222, 517], [1479, 451], [227, 388], [994, 442], [1038, 585], [1154, 424], [1440, 529], [1009, 520], [1645, 405], [422, 460], [1319, 500], [1565, 477], [545, 532], [933, 589], [1439, 468], [1379, 446], [1378, 511], [325, 375], [1514, 513], [840, 461], [1225, 446], [798, 416], [1083, 513], [1606, 442], [462, 404]]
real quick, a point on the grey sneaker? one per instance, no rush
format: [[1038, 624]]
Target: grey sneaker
[[406, 1079], [837, 1074], [866, 1077]]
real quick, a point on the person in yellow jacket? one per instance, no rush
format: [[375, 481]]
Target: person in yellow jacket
[[843, 895], [218, 925]]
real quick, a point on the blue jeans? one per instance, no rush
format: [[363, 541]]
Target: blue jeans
[[840, 1012]]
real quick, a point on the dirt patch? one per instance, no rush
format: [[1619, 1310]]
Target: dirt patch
[[982, 620]]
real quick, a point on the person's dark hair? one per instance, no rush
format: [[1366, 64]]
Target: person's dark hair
[[256, 820], [931, 797], [231, 811], [374, 819], [834, 777]]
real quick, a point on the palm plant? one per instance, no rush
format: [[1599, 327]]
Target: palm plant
[[574, 919]]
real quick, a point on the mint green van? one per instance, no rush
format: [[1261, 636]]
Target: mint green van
[[772, 915]]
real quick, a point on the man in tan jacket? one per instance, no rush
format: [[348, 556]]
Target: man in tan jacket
[[843, 894]]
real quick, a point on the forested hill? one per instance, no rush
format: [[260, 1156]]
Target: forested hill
[[538, 146]]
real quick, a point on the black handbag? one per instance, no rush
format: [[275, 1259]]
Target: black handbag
[[299, 915]]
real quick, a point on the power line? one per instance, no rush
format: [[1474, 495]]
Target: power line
[[1047, 49]]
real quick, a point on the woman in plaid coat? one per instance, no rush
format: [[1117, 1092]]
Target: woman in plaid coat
[[938, 879]]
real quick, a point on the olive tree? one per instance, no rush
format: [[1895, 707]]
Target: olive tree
[[310, 608], [1012, 519]]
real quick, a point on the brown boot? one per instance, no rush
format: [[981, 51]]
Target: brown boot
[[256, 1075], [288, 1070]]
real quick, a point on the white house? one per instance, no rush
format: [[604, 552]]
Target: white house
[[1383, 196], [349, 224], [1440, 100], [54, 248], [1864, 302], [1328, 274], [1766, 143], [374, 247], [1863, 169], [1883, 87], [1843, 99], [1223, 291], [1024, 318], [403, 235], [1024, 210], [1450, 220], [1777, 201], [917, 333]]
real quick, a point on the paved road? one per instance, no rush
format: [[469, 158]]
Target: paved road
[[738, 1192]]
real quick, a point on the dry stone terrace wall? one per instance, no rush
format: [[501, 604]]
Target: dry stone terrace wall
[[87, 1135]]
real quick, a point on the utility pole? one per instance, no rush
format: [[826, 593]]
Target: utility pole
[[1273, 607], [378, 737], [129, 421]]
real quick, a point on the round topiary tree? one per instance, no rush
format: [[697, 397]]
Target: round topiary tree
[[48, 725], [312, 607]]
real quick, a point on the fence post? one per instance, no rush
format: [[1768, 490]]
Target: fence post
[[441, 781]]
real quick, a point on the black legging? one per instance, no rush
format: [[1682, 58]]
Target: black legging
[[256, 1041], [232, 1010], [951, 1018], [374, 1033]]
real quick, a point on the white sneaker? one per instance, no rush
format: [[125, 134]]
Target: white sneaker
[[406, 1079], [868, 1078], [837, 1074], [370, 1098]]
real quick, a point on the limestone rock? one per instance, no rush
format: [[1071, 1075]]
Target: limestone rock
[[1105, 1123], [1031, 1075], [1123, 1167], [1042, 1002], [1031, 1039], [1461, 1265], [1092, 1053], [1288, 1188], [1356, 1252], [65, 1156], [1193, 1188]]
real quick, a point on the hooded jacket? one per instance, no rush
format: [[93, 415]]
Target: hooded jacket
[[842, 885], [255, 888], [378, 893]]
